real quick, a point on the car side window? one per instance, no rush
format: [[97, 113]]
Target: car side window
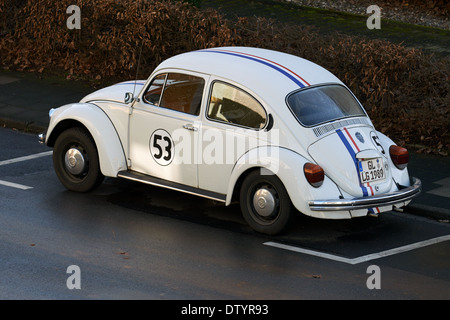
[[232, 105], [153, 93], [176, 91]]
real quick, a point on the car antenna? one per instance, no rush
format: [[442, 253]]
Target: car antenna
[[137, 69]]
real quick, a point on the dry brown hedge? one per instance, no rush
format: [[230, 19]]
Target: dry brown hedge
[[111, 35], [405, 91]]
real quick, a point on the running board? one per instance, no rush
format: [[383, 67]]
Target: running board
[[139, 177]]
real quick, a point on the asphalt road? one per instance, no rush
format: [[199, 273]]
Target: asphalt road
[[131, 241]]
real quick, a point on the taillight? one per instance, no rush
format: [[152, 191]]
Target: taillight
[[399, 156], [314, 174]]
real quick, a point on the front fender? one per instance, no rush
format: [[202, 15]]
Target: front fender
[[110, 150], [287, 165]]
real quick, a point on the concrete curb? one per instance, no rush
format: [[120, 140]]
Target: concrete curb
[[428, 211]]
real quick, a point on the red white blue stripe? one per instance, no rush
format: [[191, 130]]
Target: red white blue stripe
[[353, 149], [269, 63]]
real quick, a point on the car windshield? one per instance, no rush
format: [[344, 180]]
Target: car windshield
[[316, 105]]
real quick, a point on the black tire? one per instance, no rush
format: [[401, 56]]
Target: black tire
[[278, 216], [82, 175]]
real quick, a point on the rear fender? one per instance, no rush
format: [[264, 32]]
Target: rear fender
[[400, 176], [287, 165], [110, 150]]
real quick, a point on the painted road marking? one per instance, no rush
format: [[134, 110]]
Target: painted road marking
[[25, 158], [365, 258], [443, 191], [20, 159], [14, 185]]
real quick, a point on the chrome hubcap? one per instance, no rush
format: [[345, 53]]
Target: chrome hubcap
[[74, 161], [264, 202]]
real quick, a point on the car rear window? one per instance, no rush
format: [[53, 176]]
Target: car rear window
[[316, 105]]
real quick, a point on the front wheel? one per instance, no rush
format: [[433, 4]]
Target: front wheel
[[265, 203], [76, 162]]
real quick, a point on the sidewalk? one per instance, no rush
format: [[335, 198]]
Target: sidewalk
[[25, 100]]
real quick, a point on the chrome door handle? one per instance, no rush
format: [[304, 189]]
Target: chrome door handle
[[190, 126]]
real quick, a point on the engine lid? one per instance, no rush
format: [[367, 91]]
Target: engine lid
[[350, 158]]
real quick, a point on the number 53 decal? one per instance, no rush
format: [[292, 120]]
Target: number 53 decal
[[162, 147]]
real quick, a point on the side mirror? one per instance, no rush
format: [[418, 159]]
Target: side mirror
[[129, 97]]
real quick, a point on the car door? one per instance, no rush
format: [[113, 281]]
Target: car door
[[234, 125], [164, 127]]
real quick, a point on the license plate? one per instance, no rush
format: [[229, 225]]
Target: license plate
[[371, 170]]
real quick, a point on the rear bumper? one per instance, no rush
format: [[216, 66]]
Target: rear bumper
[[397, 197]]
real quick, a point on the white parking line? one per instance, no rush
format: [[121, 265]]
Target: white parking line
[[30, 157], [365, 258], [444, 190], [14, 185], [20, 159]]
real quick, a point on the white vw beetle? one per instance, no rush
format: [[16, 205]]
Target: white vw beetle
[[273, 130]]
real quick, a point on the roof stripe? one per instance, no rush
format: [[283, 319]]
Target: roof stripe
[[272, 64], [251, 55]]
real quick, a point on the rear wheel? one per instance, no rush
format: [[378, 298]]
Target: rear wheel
[[265, 203], [76, 162]]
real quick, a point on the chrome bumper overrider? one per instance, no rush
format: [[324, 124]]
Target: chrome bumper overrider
[[41, 138], [386, 199]]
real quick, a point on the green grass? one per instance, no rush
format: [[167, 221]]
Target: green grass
[[430, 39]]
